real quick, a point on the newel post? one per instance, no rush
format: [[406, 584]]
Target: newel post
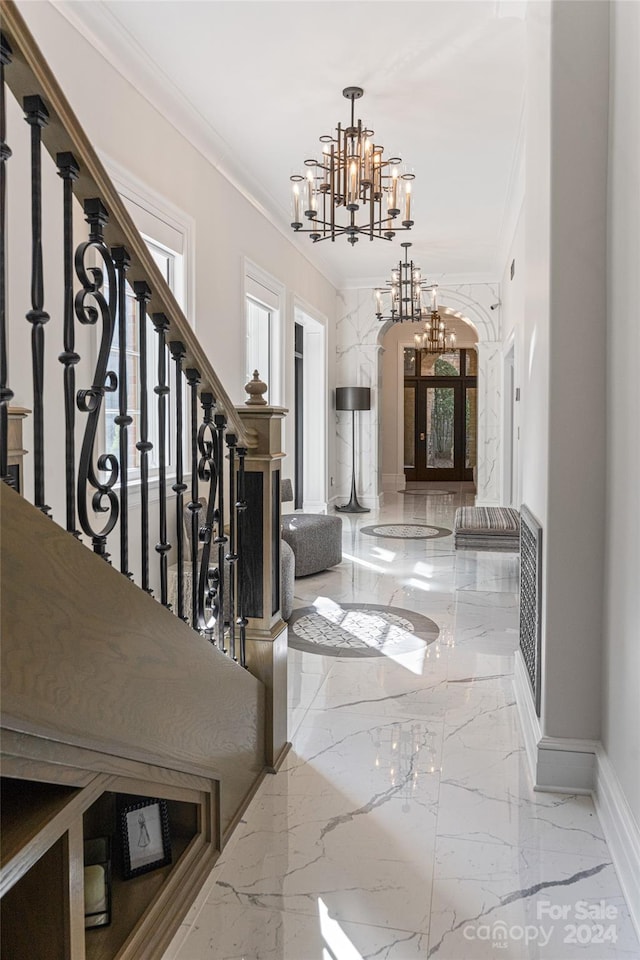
[[266, 632]]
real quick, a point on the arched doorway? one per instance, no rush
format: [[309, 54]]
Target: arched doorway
[[429, 406]]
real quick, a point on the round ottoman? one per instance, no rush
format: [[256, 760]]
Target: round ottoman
[[316, 541]]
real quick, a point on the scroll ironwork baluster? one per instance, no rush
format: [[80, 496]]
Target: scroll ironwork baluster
[[178, 353], [91, 304], [208, 472], [6, 394], [221, 538], [241, 506], [123, 421], [161, 325], [232, 556], [142, 291], [37, 116], [69, 170], [193, 379]]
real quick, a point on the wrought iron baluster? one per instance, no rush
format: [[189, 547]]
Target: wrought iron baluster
[[37, 116], [6, 395], [122, 261], [178, 353], [241, 506], [142, 291], [90, 304], [232, 555], [221, 538], [69, 170], [161, 325], [209, 473], [193, 379]]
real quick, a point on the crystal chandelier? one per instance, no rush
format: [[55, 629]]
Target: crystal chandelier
[[405, 291], [352, 182]]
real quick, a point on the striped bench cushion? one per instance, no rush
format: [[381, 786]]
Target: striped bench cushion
[[487, 528]]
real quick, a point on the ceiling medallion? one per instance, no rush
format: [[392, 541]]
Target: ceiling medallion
[[405, 305], [352, 191]]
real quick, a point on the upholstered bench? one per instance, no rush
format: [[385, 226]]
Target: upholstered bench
[[487, 528], [316, 541]]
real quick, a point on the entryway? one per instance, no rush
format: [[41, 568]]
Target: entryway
[[440, 414]]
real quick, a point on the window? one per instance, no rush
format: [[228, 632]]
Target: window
[[258, 351], [264, 309], [169, 264]]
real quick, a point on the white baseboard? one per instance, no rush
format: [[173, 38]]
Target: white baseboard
[[557, 764], [529, 721], [565, 765], [393, 482], [314, 506], [621, 831], [487, 503]]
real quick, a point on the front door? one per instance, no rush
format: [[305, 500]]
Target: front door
[[440, 415]]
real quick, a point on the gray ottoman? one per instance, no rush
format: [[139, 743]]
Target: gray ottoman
[[287, 574], [316, 541]]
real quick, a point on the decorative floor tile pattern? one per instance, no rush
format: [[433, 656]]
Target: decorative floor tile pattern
[[405, 531], [403, 824], [359, 630]]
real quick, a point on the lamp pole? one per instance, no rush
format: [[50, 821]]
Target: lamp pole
[[353, 399]]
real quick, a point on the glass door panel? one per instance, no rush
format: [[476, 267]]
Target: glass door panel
[[440, 424], [409, 427]]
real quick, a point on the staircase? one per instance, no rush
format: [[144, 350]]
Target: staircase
[[143, 651]]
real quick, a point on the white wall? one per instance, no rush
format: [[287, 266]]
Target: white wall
[[621, 666], [562, 368], [513, 313], [576, 471]]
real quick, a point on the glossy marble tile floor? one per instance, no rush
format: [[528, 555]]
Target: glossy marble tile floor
[[403, 824]]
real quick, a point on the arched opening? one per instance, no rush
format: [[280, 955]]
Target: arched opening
[[428, 405]]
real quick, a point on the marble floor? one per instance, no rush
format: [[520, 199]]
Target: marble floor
[[403, 823]]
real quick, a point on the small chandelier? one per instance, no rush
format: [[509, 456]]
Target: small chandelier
[[352, 179], [405, 290]]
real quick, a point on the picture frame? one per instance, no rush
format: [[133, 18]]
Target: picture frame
[[146, 842], [97, 882]]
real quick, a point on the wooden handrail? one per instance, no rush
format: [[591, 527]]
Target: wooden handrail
[[30, 74]]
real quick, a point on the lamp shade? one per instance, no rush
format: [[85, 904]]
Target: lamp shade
[[353, 398]]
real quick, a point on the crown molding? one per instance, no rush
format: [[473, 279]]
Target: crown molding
[[104, 32]]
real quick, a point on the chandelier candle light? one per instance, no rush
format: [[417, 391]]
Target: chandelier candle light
[[405, 290], [352, 180]]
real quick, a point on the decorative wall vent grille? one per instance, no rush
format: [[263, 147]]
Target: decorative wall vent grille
[[531, 599]]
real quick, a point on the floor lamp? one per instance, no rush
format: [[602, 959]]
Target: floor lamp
[[353, 398]]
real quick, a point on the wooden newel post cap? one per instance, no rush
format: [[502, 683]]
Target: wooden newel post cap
[[255, 388]]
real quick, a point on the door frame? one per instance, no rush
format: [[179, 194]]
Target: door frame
[[315, 401], [459, 472]]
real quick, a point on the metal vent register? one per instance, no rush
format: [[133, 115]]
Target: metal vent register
[[531, 599]]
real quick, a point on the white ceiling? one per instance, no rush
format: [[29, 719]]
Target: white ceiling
[[258, 81]]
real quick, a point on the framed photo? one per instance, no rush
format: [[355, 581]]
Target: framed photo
[[146, 844], [97, 882]]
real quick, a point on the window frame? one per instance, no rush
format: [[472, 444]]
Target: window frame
[[265, 290]]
